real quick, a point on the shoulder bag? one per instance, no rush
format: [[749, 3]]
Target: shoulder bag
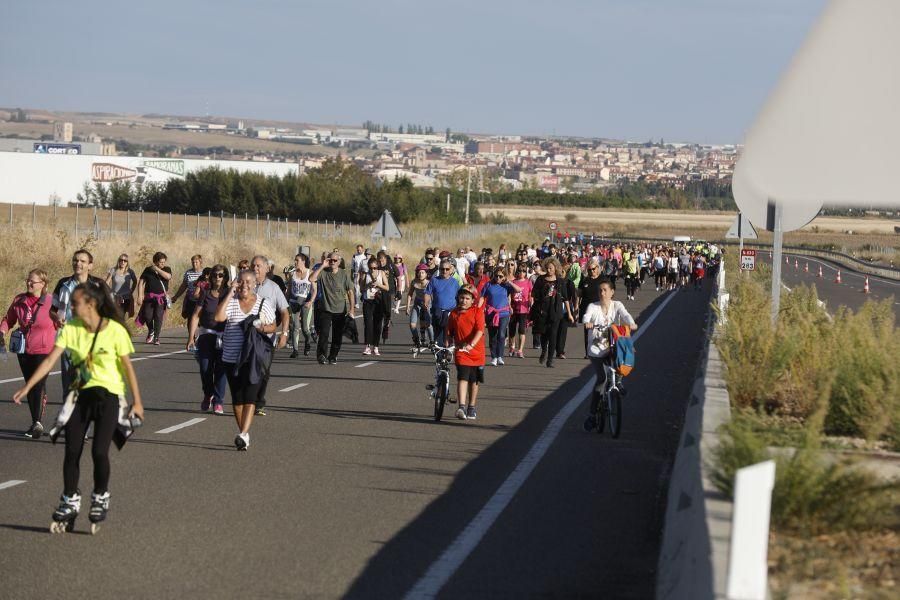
[[17, 337]]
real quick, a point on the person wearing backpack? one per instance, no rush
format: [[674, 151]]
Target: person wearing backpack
[[598, 318]]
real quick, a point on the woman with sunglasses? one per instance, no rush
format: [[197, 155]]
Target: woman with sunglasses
[[521, 306], [205, 336], [373, 285], [589, 290], [122, 280], [31, 312], [419, 319]]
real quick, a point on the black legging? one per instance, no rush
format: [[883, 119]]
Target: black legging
[[29, 364], [631, 284], [373, 317], [102, 407], [562, 336], [331, 326], [152, 314], [549, 337]]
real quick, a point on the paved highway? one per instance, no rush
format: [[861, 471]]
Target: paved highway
[[350, 488], [848, 293]]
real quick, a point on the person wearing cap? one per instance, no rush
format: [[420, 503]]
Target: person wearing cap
[[465, 330], [440, 298], [419, 319]]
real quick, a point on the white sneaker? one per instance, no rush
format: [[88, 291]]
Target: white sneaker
[[500, 360], [493, 362], [246, 438], [375, 351], [367, 351], [461, 413]]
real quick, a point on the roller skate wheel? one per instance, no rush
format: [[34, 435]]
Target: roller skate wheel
[[95, 527], [61, 526]]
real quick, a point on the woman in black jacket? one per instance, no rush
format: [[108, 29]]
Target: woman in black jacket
[[551, 307]]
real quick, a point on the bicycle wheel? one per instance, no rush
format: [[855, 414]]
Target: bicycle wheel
[[441, 390], [614, 410]]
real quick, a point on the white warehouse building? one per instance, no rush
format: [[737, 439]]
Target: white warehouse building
[[27, 178]]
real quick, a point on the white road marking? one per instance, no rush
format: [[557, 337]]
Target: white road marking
[[187, 423], [293, 387], [453, 557], [158, 355], [14, 379], [365, 364], [11, 483]]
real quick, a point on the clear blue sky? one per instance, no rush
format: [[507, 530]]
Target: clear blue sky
[[684, 70]]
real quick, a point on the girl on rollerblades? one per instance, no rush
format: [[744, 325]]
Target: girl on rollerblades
[[99, 346]]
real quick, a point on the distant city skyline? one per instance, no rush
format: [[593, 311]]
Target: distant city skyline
[[687, 71]]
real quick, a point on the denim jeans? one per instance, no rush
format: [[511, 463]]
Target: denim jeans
[[420, 325], [212, 369], [497, 337]]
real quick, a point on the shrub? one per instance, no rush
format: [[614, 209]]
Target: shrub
[[571, 217]]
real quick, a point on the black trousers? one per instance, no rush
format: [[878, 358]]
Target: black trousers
[[562, 336], [549, 337], [373, 317], [152, 314], [331, 325], [101, 407], [29, 364]]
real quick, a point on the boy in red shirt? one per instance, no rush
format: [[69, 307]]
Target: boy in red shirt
[[465, 329]]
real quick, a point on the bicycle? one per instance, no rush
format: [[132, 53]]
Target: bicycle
[[609, 409], [440, 389]]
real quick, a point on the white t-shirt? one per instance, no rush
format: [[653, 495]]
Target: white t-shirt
[[598, 338], [462, 266]]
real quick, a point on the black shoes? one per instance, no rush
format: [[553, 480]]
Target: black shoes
[[542, 358], [322, 360]]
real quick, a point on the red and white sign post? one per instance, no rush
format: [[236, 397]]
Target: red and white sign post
[[748, 259]]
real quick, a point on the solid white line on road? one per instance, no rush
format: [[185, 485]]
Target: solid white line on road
[[293, 387], [158, 355], [365, 364], [2, 381], [187, 423], [11, 483], [453, 557]]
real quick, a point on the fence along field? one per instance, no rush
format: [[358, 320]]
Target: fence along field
[[107, 223]]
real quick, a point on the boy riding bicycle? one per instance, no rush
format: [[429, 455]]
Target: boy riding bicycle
[[598, 318]]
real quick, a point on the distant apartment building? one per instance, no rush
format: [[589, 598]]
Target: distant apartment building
[[62, 132], [499, 148]]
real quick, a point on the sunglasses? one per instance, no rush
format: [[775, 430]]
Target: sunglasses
[[218, 275], [30, 282], [123, 260], [448, 269]]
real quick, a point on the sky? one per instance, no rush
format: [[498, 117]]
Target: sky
[[678, 70]]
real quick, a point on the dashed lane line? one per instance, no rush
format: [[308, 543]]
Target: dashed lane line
[[11, 483], [453, 557], [187, 423], [293, 387], [365, 364]]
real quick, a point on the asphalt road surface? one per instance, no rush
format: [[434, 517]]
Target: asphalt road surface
[[849, 293], [350, 489]]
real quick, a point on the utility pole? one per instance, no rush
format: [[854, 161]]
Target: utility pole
[[468, 191]]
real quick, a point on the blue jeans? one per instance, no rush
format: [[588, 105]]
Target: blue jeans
[[212, 369], [497, 337], [420, 325]]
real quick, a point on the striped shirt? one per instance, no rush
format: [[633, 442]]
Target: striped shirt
[[233, 338], [190, 278]]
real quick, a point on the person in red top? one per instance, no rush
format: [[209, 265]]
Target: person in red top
[[465, 329], [478, 279], [31, 312]]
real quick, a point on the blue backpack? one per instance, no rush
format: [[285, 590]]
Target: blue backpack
[[623, 359]]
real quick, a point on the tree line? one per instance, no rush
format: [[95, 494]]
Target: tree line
[[340, 190]]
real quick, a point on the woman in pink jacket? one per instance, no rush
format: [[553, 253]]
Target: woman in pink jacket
[[31, 312]]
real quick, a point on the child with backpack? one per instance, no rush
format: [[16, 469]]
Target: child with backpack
[[599, 318]]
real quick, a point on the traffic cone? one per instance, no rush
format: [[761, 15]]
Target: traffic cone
[[770, 256], [806, 268], [866, 286], [796, 264], [787, 260], [820, 272], [838, 278]]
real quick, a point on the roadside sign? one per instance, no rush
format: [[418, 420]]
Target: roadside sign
[[748, 259], [553, 226], [742, 228]]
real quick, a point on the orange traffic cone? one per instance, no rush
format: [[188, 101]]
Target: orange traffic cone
[[806, 268], [796, 264], [866, 286], [820, 271], [838, 278]]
